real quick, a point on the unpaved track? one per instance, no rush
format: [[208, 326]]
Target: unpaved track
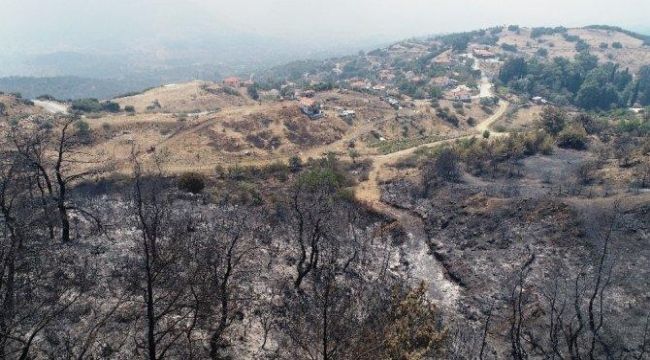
[[52, 106], [422, 265]]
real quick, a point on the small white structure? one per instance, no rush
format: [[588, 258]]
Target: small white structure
[[347, 115], [539, 100]]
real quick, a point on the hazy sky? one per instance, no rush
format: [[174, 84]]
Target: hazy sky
[[57, 24]]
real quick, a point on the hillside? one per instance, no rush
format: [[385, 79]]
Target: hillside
[[454, 197]]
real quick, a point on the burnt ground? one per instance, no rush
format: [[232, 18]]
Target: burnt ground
[[482, 230]]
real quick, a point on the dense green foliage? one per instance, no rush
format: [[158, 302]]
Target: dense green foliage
[[642, 90], [191, 182], [93, 105], [581, 82], [573, 137], [540, 31]]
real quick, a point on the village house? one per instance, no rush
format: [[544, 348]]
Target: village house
[[232, 81], [311, 108]]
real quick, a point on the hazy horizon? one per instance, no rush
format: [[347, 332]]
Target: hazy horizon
[[34, 26], [148, 42]]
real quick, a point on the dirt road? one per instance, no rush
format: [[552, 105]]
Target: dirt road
[[422, 265], [52, 106]]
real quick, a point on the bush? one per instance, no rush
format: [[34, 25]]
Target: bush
[[295, 164], [585, 173], [581, 46], [436, 93], [191, 182], [446, 166], [573, 137], [93, 105], [230, 91], [486, 134], [542, 52], [509, 47], [617, 45], [46, 97], [591, 125], [252, 92], [129, 109], [553, 120]]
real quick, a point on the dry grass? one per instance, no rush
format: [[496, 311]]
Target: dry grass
[[192, 97], [15, 106], [632, 56]]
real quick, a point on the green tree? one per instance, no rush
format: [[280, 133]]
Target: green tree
[[643, 86], [252, 92], [552, 120], [191, 182], [514, 68], [597, 92]]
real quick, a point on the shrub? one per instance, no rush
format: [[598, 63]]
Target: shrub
[[573, 137], [230, 91], [542, 52], [617, 45], [591, 125], [191, 182], [486, 134], [436, 93], [446, 165], [295, 164], [46, 97], [509, 47], [581, 46], [93, 105], [129, 109], [322, 178], [252, 92], [585, 173], [553, 120]]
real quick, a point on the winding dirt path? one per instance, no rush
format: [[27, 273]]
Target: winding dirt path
[[422, 264]]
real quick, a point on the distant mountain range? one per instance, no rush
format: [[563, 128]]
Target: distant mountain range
[[105, 74]]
